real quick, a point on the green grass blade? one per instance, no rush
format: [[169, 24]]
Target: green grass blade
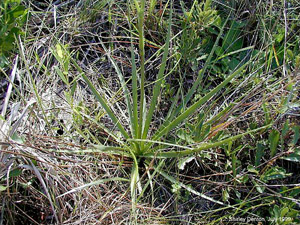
[[161, 143], [234, 52], [134, 94], [199, 78], [204, 146], [157, 86], [197, 104], [134, 184], [141, 13], [101, 101], [171, 112], [124, 87]]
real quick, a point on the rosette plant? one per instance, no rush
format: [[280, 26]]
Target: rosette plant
[[137, 140]]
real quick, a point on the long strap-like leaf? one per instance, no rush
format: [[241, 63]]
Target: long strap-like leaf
[[124, 87], [203, 70], [157, 86], [190, 93], [135, 122], [141, 15], [101, 101]]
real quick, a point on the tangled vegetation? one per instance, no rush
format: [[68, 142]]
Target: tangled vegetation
[[150, 112]]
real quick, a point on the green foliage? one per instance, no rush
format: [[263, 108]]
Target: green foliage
[[136, 140], [63, 56], [274, 140], [12, 17], [189, 132], [196, 22], [231, 52], [274, 173]]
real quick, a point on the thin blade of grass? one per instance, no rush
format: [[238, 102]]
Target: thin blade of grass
[[157, 86], [10, 87], [150, 178], [110, 134], [101, 101], [33, 84], [203, 70], [234, 52], [161, 143], [134, 94], [198, 80], [124, 87]]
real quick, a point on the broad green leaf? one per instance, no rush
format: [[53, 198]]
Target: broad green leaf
[[284, 211], [12, 1], [294, 157], [243, 179], [273, 140], [18, 11], [2, 188], [15, 173], [17, 138], [232, 41], [238, 194], [225, 195], [268, 119], [275, 173], [259, 188], [252, 169], [182, 162], [260, 151], [276, 211], [59, 51], [285, 128], [185, 136]]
